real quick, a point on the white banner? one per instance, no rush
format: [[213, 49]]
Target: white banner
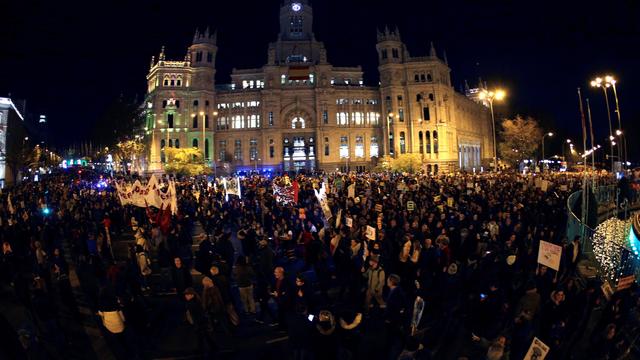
[[549, 255], [150, 194], [351, 191]]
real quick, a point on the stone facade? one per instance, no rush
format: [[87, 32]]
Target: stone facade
[[298, 112]]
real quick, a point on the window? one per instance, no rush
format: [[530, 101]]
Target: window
[[403, 147], [326, 146], [401, 115], [164, 104], [391, 146], [283, 79], [435, 142], [428, 140], [373, 147], [426, 114], [195, 121], [342, 101], [271, 149], [206, 121], [177, 143], [170, 143], [372, 102], [384, 54], [344, 147], [253, 149], [431, 97], [177, 103], [206, 103], [179, 82], [199, 56], [166, 82], [296, 25], [237, 154], [194, 143], [223, 123], [342, 118], [206, 149], [416, 78], [429, 78], [400, 103], [209, 57], [422, 79], [418, 97], [162, 144], [373, 118], [394, 53], [270, 118], [253, 121], [238, 122], [421, 142], [356, 101], [358, 118], [195, 103], [297, 123], [222, 150], [359, 151], [387, 103], [325, 117], [170, 120]]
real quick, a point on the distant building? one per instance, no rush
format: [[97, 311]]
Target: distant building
[[12, 139], [299, 112]]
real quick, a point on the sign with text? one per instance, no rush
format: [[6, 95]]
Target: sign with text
[[371, 232], [537, 351], [549, 255], [625, 282]]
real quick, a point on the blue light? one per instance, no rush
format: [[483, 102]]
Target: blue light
[[46, 211]]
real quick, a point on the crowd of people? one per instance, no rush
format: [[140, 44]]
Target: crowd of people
[[395, 266]]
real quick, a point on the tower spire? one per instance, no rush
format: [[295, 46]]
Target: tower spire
[[444, 55], [432, 51], [161, 57], [196, 35], [206, 33]]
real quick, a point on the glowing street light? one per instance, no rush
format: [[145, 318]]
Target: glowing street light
[[604, 85], [489, 96]]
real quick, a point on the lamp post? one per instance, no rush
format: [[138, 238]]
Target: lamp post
[[213, 149], [598, 82], [490, 96], [549, 134], [563, 153], [610, 80]]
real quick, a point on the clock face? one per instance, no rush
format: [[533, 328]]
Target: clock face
[[296, 6]]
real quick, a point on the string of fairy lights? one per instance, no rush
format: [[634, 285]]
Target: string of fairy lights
[[612, 249]]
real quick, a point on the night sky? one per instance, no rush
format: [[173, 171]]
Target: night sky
[[70, 60]]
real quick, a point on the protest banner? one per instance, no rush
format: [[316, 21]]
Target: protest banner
[[351, 191], [371, 233], [411, 205], [153, 194], [537, 351], [549, 255]]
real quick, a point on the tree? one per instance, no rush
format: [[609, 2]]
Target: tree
[[118, 122], [520, 139], [129, 151], [410, 163], [185, 162]]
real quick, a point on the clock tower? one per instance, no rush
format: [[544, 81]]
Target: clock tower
[[296, 19]]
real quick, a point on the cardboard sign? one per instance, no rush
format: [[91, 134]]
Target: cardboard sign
[[371, 233], [351, 191], [607, 290], [348, 222], [379, 207], [549, 255], [537, 351], [450, 202], [411, 205], [625, 282]]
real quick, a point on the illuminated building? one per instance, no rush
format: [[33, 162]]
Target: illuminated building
[[299, 112], [12, 138]]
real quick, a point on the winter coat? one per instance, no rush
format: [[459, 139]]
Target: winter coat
[[375, 279]]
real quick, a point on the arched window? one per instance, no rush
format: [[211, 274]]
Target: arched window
[[435, 142], [428, 140], [430, 79], [206, 149], [435, 169], [170, 120], [195, 121], [421, 142], [431, 97], [416, 78], [195, 103], [419, 97], [164, 104], [422, 79], [297, 123], [194, 143], [403, 146], [177, 143], [177, 103], [170, 142]]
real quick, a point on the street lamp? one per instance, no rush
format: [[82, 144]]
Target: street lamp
[[489, 96], [549, 134], [603, 84], [563, 153], [612, 81]]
